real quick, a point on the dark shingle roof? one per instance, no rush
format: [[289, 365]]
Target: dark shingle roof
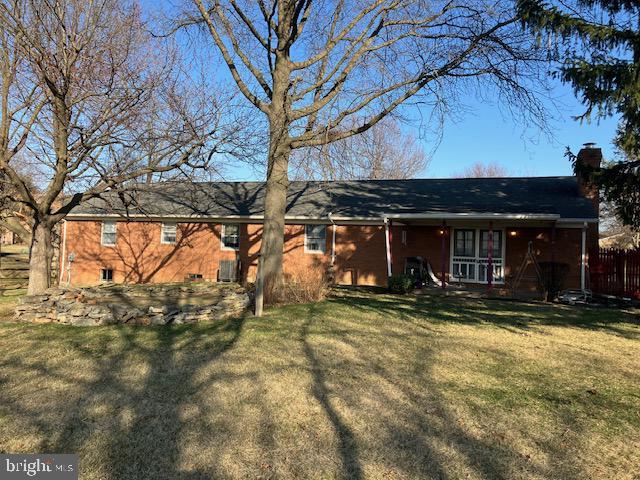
[[360, 199]]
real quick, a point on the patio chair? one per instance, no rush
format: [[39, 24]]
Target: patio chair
[[415, 267]]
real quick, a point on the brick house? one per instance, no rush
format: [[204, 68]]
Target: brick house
[[364, 230]]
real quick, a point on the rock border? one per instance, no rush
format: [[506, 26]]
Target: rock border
[[120, 304]]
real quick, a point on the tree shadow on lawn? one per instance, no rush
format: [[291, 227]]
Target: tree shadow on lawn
[[378, 389], [515, 316], [407, 423], [347, 443], [132, 420], [149, 446]]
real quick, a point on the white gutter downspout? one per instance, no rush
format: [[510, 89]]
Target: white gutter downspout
[[333, 239], [583, 258], [387, 244]]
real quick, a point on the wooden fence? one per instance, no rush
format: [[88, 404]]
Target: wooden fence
[[615, 272]]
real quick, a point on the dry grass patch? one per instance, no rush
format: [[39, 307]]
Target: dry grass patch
[[358, 386]]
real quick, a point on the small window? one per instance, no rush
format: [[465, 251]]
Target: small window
[[109, 233], [168, 234], [195, 276], [106, 275], [230, 236], [315, 238]]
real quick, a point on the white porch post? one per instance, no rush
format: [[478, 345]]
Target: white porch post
[[583, 257], [489, 255], [333, 239], [333, 244], [443, 256], [387, 245]]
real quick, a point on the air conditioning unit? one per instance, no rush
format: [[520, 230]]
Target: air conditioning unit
[[228, 270]]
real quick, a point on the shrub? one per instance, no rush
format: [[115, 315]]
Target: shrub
[[306, 287], [401, 284]]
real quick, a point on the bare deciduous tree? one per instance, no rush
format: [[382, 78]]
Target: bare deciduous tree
[[483, 170], [13, 215], [382, 152], [80, 80], [613, 232], [325, 71]]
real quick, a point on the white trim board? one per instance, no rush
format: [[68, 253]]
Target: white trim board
[[438, 217]]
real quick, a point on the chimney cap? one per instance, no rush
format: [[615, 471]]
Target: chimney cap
[[589, 145]]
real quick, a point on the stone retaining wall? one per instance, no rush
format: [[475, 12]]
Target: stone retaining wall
[[135, 305]]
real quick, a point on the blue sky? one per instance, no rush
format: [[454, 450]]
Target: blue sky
[[485, 135]]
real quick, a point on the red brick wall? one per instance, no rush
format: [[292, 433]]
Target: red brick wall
[[139, 256], [567, 249], [296, 261], [360, 252], [361, 255], [421, 241]]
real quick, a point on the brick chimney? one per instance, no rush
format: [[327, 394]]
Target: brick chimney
[[590, 157]]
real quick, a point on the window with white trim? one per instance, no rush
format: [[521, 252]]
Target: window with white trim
[[315, 238], [108, 234], [230, 237], [168, 233]]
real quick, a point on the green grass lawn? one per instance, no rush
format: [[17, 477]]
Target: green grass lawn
[[359, 386]]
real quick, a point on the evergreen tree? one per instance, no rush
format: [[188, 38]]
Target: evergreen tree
[[597, 45]]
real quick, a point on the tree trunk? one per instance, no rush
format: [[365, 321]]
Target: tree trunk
[[40, 259], [272, 247], [269, 281]]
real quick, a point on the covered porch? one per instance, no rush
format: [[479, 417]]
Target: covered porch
[[479, 252]]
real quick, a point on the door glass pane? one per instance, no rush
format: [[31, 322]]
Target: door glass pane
[[464, 243], [497, 244], [482, 272], [464, 271]]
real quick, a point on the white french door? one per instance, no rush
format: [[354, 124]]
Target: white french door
[[470, 255]]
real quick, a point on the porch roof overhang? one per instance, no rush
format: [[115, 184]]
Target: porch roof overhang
[[469, 218], [473, 216]]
